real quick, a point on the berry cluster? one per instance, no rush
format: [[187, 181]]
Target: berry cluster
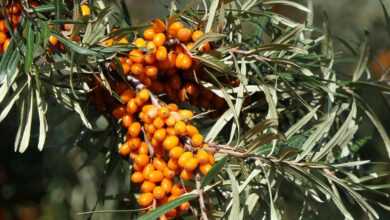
[[163, 63], [13, 12], [164, 146]]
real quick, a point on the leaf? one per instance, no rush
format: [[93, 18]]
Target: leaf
[[213, 63], [363, 60], [288, 3], [156, 213], [73, 46], [41, 108], [29, 47], [211, 15], [215, 170], [27, 128], [15, 96], [235, 212], [208, 37], [302, 122]]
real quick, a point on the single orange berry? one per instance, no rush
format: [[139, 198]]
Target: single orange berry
[[197, 140], [166, 184], [144, 95], [190, 46], [126, 68], [147, 186], [158, 192], [137, 56], [183, 61], [132, 107], [171, 213], [85, 10], [160, 135], [177, 190], [176, 152], [149, 34], [170, 121], [159, 164], [168, 173], [134, 129], [159, 39], [202, 156], [161, 53], [137, 69], [173, 107], [158, 25], [180, 128], [191, 164], [186, 156], [140, 43], [137, 177], [170, 142], [156, 176], [163, 112], [151, 71], [191, 130], [119, 112], [127, 120], [124, 150], [186, 114], [158, 122], [196, 35], [3, 26], [163, 217], [145, 199], [52, 39], [211, 159], [127, 95], [186, 174], [205, 168], [142, 159], [134, 143], [143, 149], [174, 28], [171, 131], [173, 164], [148, 169], [184, 34], [184, 206]]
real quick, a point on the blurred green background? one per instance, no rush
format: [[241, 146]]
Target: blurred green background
[[64, 180]]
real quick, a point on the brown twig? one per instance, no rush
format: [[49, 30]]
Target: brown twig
[[201, 198]]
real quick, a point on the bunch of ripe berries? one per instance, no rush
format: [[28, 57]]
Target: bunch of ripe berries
[[162, 61], [164, 147], [13, 14]]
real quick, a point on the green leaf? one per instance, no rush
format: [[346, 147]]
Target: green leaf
[[41, 109], [302, 122], [363, 60], [156, 213], [211, 15], [73, 46], [15, 96], [30, 47], [27, 128], [208, 37], [235, 212]]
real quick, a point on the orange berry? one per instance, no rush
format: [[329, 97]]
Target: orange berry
[[170, 121], [183, 61], [158, 122], [85, 10], [143, 149], [158, 25], [3, 26], [196, 35], [144, 95], [170, 142], [137, 167], [202, 156], [171, 198], [184, 34], [150, 129], [211, 159], [173, 107], [186, 114], [163, 112], [197, 140], [156, 176], [180, 128], [150, 59], [166, 184], [177, 190], [132, 107], [159, 39], [205, 168], [160, 135], [137, 177], [159, 164], [147, 186], [136, 56], [126, 68], [137, 68], [171, 131], [184, 206], [163, 217], [134, 143], [191, 130], [148, 169], [168, 173], [172, 164], [119, 112], [186, 156], [52, 39], [174, 28], [140, 43], [124, 150], [127, 95], [190, 46], [151, 71], [134, 129], [171, 213], [176, 152], [149, 34], [186, 175], [142, 159], [127, 120], [158, 192], [191, 164], [145, 199], [161, 53]]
